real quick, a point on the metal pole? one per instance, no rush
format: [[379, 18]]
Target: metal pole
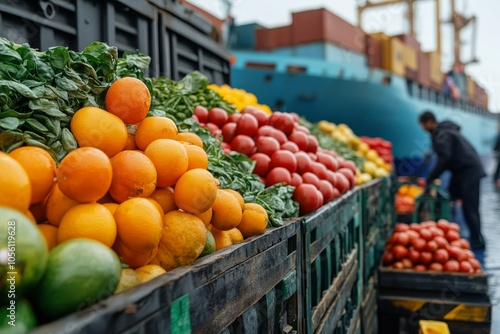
[[456, 32], [438, 27], [411, 14]]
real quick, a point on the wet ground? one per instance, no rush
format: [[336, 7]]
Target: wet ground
[[490, 215]]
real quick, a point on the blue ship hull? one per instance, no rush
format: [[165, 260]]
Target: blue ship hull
[[360, 100]]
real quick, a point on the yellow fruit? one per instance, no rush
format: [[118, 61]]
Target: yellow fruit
[[57, 205], [50, 234], [206, 216], [148, 272], [196, 191], [170, 159], [226, 211], [164, 197], [254, 220], [111, 207], [15, 186], [128, 279], [153, 128], [371, 155]]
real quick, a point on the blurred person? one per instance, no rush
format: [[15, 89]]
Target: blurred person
[[455, 154], [496, 150]]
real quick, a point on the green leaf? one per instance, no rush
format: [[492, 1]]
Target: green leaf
[[58, 57], [18, 87], [9, 55], [9, 123], [37, 126], [66, 84]]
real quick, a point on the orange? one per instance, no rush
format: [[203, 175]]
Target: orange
[[190, 137], [85, 174], [226, 211], [195, 192], [153, 128], [164, 197], [111, 207], [238, 197], [148, 272], [183, 240], [30, 216], [134, 175], [95, 127], [222, 238], [57, 205], [197, 158], [15, 187], [129, 99], [131, 129], [139, 225], [159, 208], [92, 220], [235, 235], [254, 220], [206, 216], [41, 169], [170, 159], [49, 232]]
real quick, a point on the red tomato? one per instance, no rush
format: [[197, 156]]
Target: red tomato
[[407, 264], [419, 244], [478, 271], [400, 252], [228, 132], [454, 227], [398, 265], [299, 138], [307, 197], [327, 190], [452, 235], [426, 234], [244, 145], [265, 130], [388, 258], [202, 113], [217, 116], [321, 199], [281, 121], [441, 255], [319, 169], [412, 234], [475, 264], [456, 243], [296, 179], [313, 156], [286, 159], [290, 146], [436, 266], [312, 144], [212, 128], [327, 160], [456, 253], [302, 128], [348, 174], [420, 267], [466, 267], [443, 224], [261, 116], [303, 162], [425, 257], [431, 246], [401, 238], [441, 242], [280, 136], [436, 232], [470, 254], [234, 117], [262, 164], [310, 178], [341, 162], [401, 228], [464, 244], [342, 183], [247, 125], [415, 227], [414, 256], [296, 117], [331, 177], [336, 193], [350, 165], [267, 145], [278, 175]]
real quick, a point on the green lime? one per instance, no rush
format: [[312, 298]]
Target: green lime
[[209, 244], [18, 318], [23, 255], [79, 273]]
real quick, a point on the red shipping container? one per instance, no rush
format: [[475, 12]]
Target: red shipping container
[[424, 70], [374, 52], [269, 39], [320, 25]]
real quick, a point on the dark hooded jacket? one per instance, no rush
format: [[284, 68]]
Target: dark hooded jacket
[[454, 153], [497, 144]]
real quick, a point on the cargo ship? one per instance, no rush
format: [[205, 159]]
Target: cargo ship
[[324, 68]]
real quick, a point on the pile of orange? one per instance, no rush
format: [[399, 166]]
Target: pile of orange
[[135, 184]]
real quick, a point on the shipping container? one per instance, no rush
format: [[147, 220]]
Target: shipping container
[[471, 88], [393, 53], [320, 25], [411, 63], [436, 74], [374, 52], [269, 39], [424, 70]]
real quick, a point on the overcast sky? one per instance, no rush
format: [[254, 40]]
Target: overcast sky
[[272, 13]]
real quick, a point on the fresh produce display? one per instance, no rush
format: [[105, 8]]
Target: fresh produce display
[[405, 198], [374, 165], [430, 246], [239, 98], [381, 146], [284, 152]]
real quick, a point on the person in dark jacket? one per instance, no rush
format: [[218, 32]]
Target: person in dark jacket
[[456, 154], [496, 150]]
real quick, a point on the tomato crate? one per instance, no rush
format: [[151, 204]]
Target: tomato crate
[[331, 239], [400, 311], [251, 287], [368, 313], [461, 283], [377, 198]]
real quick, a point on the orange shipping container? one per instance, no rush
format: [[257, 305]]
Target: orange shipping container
[[424, 71]]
